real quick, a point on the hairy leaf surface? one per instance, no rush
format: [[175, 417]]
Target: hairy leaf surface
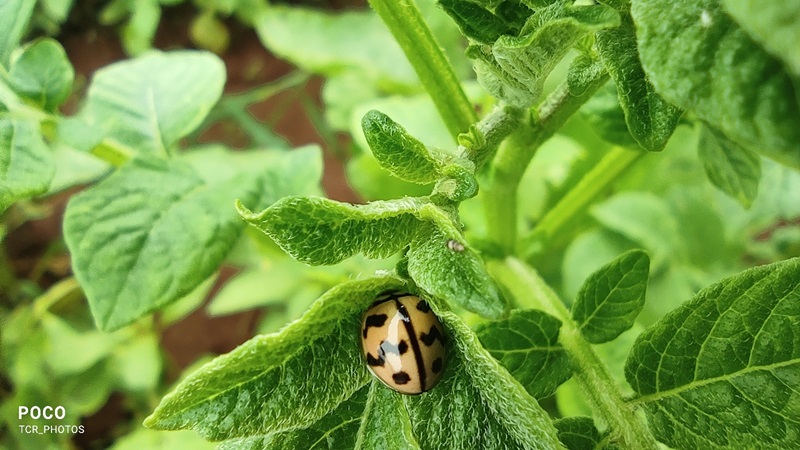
[[580, 433], [722, 370], [252, 392], [699, 59], [526, 344]]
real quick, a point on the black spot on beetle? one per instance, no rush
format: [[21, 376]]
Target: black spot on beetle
[[401, 378], [375, 362], [375, 320], [423, 306], [431, 336], [402, 347], [437, 365]]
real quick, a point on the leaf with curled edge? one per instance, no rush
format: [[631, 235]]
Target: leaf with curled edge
[[514, 68], [651, 119], [722, 370], [700, 60], [252, 392], [316, 230]]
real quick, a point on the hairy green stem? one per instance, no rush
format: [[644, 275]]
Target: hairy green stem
[[514, 156], [603, 393], [409, 29], [617, 161]]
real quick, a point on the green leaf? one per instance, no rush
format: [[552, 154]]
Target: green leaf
[[14, 17], [253, 390], [444, 265], [317, 230], [385, 423], [477, 404], [154, 230], [612, 297], [476, 22], [721, 370], [140, 29], [583, 71], [730, 167], [606, 117], [147, 104], [579, 433], [42, 73], [526, 344], [651, 119], [514, 68], [772, 24], [26, 164], [177, 440], [688, 49], [329, 44], [399, 152]]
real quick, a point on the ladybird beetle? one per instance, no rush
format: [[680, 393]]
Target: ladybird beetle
[[403, 343]]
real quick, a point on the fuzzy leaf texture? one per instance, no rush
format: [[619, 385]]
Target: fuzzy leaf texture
[[579, 433], [41, 73], [26, 163], [317, 231], [154, 230], [251, 393], [733, 169], [14, 17], [612, 297], [772, 24], [606, 117], [700, 60], [526, 344], [476, 22], [722, 370], [148, 103], [442, 264], [397, 151], [651, 119], [477, 404], [514, 68]]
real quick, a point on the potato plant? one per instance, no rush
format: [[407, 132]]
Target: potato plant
[[598, 199]]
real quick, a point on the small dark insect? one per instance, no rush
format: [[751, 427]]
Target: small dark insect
[[455, 245]]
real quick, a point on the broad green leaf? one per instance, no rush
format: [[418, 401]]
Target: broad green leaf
[[329, 44], [62, 358], [526, 344], [442, 264], [772, 24], [42, 73], [137, 364], [399, 152], [688, 49], [477, 404], [14, 17], [612, 297], [253, 390], [722, 370], [154, 230], [476, 22], [730, 167], [514, 12], [606, 117], [148, 103], [514, 68], [579, 433], [582, 71], [651, 119], [26, 164], [335, 430], [385, 423], [257, 288], [316, 230]]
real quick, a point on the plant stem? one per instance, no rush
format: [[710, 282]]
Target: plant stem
[[514, 156], [578, 198], [409, 29], [602, 391]]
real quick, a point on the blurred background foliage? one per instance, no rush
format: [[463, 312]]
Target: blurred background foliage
[[302, 73]]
